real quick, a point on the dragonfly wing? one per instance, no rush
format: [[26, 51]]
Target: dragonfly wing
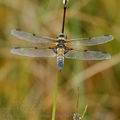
[[31, 37], [91, 41], [87, 55], [33, 52]]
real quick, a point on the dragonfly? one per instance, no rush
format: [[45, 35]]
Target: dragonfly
[[60, 47]]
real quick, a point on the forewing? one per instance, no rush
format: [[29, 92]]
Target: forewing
[[91, 41], [87, 55], [33, 52], [32, 37]]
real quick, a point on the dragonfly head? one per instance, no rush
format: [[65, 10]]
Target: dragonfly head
[[62, 36]]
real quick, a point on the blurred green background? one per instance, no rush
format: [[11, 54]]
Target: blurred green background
[[33, 89]]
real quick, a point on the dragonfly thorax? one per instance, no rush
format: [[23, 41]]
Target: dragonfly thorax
[[61, 45]]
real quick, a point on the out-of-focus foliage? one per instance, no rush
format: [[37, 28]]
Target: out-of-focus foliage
[[28, 86]]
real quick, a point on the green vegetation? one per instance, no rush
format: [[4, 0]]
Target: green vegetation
[[32, 88]]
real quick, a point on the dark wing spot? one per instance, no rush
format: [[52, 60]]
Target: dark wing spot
[[70, 49], [50, 48], [36, 47], [16, 47], [106, 35], [85, 50], [34, 34], [18, 29], [89, 38], [104, 52]]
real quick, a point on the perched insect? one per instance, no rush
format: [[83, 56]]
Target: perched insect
[[77, 116], [59, 47]]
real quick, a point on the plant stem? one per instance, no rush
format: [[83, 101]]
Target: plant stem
[[55, 94]]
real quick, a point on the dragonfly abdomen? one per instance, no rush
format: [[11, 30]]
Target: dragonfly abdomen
[[60, 62]]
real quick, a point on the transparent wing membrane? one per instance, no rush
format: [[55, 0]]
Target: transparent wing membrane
[[91, 41], [87, 55], [72, 54], [31, 37], [33, 52]]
